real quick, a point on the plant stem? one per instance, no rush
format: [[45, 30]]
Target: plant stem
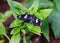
[[7, 37], [24, 40]]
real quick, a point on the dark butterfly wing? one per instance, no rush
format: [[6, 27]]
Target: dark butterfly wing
[[37, 23], [30, 19], [21, 17]]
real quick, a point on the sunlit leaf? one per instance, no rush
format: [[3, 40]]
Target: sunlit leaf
[[35, 5], [1, 18], [43, 14], [2, 29], [23, 31], [15, 30], [19, 6], [16, 23], [15, 38], [34, 29], [16, 7], [7, 14]]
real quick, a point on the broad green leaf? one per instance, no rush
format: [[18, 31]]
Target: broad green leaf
[[15, 38], [54, 18], [15, 10], [16, 23], [27, 1], [1, 18], [34, 6], [43, 14], [19, 6], [16, 7], [57, 3], [29, 4], [7, 14], [2, 29], [45, 29], [15, 30], [34, 29], [45, 4]]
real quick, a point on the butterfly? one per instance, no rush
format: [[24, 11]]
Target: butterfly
[[30, 19]]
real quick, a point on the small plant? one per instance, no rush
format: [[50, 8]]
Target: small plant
[[45, 10]]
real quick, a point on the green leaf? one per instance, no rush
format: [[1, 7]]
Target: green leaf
[[16, 7], [4, 17], [24, 38], [34, 29], [34, 6], [1, 18], [23, 31], [19, 6], [15, 10], [7, 15], [45, 29], [43, 14], [54, 18], [27, 1], [15, 38], [16, 23], [45, 4], [15, 30], [2, 29], [57, 3]]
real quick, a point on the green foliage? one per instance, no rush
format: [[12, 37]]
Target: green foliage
[[15, 38], [55, 22], [16, 23], [45, 29], [57, 4], [43, 14], [16, 7], [42, 9], [2, 29], [45, 4], [27, 1], [2, 19], [7, 14], [1, 16], [34, 29], [15, 30], [34, 6]]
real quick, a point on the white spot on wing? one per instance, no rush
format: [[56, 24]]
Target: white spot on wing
[[40, 24], [36, 20], [25, 16], [19, 16]]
